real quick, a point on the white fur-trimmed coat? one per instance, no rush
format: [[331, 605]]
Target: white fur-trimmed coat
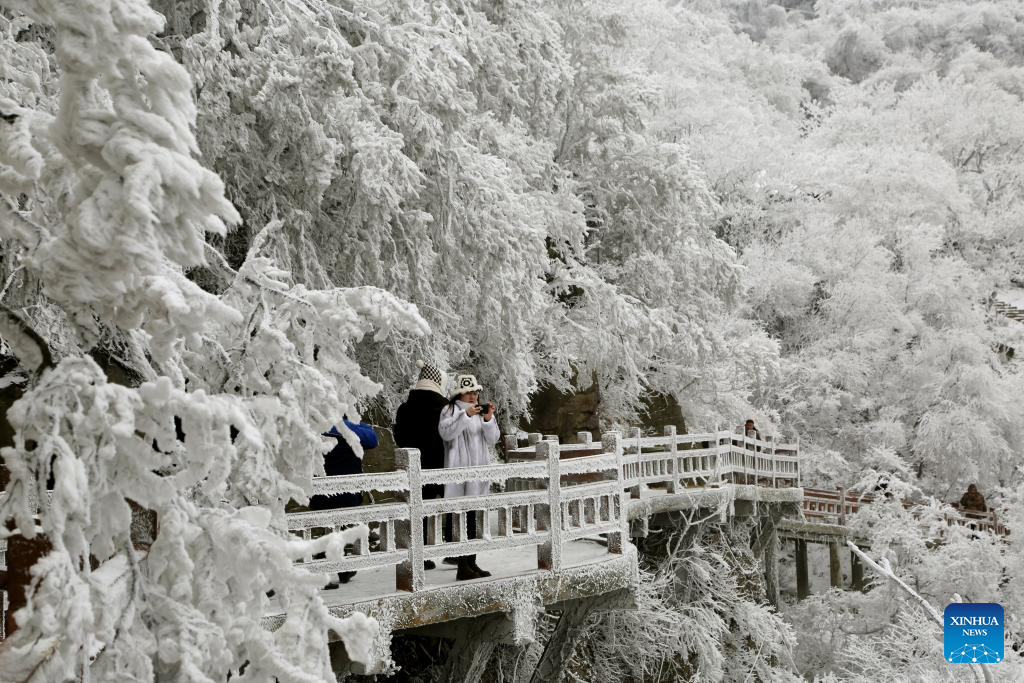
[[468, 442]]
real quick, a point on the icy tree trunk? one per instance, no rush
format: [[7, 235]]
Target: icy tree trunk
[[468, 658], [560, 646]]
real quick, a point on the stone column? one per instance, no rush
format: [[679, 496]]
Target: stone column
[[771, 567], [857, 572], [803, 584], [835, 566]]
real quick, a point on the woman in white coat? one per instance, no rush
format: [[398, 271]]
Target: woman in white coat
[[469, 432]]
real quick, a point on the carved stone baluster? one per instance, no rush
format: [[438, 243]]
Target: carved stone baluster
[[505, 521]]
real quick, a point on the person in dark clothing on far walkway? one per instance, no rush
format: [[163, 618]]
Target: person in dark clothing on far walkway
[[973, 500], [749, 430], [416, 427], [342, 460]]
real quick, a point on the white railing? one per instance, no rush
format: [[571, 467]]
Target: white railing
[[547, 517], [553, 494], [834, 506], [691, 460]]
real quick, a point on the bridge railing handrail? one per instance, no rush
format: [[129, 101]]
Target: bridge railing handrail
[[824, 504], [557, 500], [539, 516]]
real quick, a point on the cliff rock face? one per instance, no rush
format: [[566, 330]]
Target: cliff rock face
[[565, 414], [554, 412]]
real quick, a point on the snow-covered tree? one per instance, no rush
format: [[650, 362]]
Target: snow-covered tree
[[106, 206]]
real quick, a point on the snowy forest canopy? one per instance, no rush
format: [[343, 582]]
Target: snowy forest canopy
[[226, 223]]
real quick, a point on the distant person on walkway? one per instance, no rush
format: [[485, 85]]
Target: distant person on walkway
[[342, 460], [416, 427], [469, 432], [749, 430], [973, 500]]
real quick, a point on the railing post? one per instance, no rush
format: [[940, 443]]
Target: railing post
[[409, 574], [775, 464], [511, 443], [673, 447], [549, 554], [718, 453], [611, 442], [634, 491], [584, 437], [533, 438], [796, 454]]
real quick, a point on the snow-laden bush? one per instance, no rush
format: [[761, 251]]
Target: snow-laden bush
[[699, 616]]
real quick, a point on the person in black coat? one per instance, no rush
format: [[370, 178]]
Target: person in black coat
[[416, 427], [342, 460]]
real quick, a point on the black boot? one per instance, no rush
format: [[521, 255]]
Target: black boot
[[466, 571], [482, 572]]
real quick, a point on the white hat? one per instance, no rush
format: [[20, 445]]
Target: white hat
[[431, 378], [465, 384]]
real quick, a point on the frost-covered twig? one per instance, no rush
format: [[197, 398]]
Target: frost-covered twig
[[884, 569]]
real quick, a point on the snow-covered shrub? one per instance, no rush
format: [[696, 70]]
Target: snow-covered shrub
[[699, 616]]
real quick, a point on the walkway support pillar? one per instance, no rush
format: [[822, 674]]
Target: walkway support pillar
[[856, 572], [771, 567], [835, 566], [803, 585]]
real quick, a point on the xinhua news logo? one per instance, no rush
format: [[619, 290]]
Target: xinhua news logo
[[973, 632]]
